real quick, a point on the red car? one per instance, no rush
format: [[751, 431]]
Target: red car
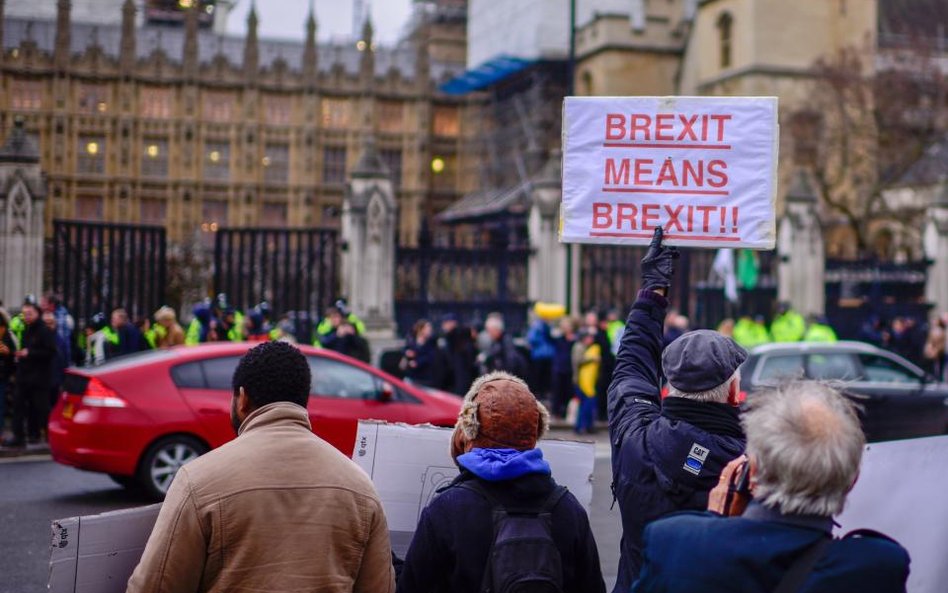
[[140, 417]]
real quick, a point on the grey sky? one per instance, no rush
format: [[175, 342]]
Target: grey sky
[[286, 18]]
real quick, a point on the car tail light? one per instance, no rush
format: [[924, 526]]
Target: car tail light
[[99, 395]]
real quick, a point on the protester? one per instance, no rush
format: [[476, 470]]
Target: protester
[[587, 375], [540, 339], [804, 446], [420, 355], [327, 325], [606, 366], [60, 361], [96, 337], [65, 324], [935, 346], [501, 354], [255, 328], [122, 337], [229, 519], [667, 455], [344, 337], [788, 325], [7, 368], [563, 367], [459, 545], [614, 329], [459, 351], [34, 359], [166, 329]]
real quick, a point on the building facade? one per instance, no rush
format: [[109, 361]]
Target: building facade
[[183, 127]]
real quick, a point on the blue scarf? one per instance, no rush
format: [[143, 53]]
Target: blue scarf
[[496, 465]]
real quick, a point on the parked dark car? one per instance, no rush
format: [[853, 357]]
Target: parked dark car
[[898, 399]]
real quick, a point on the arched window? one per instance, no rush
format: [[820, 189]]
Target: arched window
[[725, 26]]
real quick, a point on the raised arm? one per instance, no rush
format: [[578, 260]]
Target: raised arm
[[636, 381]]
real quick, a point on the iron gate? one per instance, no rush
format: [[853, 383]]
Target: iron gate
[[294, 270], [97, 267], [610, 276], [434, 279]]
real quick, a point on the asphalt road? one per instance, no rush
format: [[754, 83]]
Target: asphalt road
[[35, 491]]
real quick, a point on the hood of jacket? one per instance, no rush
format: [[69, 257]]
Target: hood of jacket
[[496, 465]]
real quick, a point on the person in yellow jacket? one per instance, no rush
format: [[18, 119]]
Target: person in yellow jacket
[[751, 332], [586, 380], [788, 325], [820, 331]]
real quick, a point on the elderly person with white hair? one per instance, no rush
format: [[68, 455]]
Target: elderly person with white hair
[[667, 454], [804, 447]]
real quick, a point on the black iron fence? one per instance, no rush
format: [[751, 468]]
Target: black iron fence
[[470, 282], [294, 270], [97, 267], [611, 275], [859, 290]]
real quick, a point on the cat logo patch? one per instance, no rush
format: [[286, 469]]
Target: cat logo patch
[[696, 458]]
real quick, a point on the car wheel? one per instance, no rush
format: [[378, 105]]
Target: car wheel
[[164, 459]]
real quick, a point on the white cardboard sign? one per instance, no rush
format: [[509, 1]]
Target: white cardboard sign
[[704, 168], [901, 492], [408, 464]]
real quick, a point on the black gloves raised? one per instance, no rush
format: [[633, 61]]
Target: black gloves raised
[[658, 265]]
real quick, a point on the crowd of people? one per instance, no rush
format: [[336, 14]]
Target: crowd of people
[[711, 498]]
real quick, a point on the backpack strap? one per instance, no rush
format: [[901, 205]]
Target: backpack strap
[[869, 533], [801, 568]]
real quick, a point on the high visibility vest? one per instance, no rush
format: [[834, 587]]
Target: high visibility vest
[[193, 337], [819, 332], [748, 333], [788, 327], [17, 327]]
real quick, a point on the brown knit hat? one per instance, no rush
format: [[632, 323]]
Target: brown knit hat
[[499, 412]]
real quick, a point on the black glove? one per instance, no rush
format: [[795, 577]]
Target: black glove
[[658, 265]]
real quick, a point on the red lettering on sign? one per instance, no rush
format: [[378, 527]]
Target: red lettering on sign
[[642, 169], [673, 218], [615, 126], [602, 215], [617, 176], [627, 212], [717, 169]]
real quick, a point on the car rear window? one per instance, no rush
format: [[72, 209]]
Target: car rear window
[[219, 372], [781, 367], [833, 367], [188, 375]]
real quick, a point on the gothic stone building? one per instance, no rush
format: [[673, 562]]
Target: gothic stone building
[[182, 127]]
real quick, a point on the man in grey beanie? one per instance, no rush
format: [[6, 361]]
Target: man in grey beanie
[[667, 455]]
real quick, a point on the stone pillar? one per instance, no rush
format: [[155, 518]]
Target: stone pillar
[[547, 264], [368, 234], [22, 202], [800, 249], [935, 243]]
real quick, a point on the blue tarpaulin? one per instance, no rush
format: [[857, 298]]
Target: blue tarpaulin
[[486, 74]]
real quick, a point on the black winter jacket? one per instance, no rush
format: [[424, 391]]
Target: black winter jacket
[[40, 344], [448, 553], [651, 444]]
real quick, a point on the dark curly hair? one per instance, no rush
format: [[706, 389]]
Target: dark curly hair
[[273, 372]]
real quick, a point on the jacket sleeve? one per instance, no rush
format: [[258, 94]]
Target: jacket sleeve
[[425, 561], [634, 394], [176, 551], [376, 574]]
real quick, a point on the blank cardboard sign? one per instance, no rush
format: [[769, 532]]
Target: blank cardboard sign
[[901, 492]]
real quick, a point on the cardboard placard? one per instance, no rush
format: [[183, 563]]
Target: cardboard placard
[[408, 464], [98, 553], [704, 168], [901, 492]]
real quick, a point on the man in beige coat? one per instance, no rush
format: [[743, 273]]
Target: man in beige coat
[[276, 509]]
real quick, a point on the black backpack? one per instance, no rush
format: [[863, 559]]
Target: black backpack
[[523, 557]]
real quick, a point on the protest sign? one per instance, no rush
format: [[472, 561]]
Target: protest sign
[[97, 553], [901, 492], [408, 464], [704, 168]]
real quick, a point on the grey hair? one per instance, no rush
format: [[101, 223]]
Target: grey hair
[[808, 443], [715, 394], [494, 321], [467, 418]]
